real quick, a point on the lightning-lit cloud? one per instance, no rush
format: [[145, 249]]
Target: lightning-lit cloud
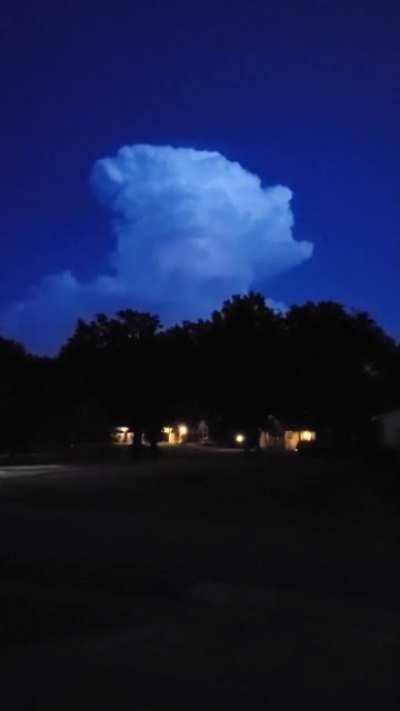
[[191, 228]]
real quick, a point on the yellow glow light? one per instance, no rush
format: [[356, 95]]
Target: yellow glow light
[[183, 430], [240, 438], [307, 436]]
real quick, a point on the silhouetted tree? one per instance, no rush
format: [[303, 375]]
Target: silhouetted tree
[[336, 363], [114, 366], [242, 364]]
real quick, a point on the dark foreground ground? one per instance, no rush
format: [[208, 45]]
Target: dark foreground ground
[[200, 581]]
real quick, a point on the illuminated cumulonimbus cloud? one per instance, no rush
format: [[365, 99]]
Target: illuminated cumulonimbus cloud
[[191, 229]]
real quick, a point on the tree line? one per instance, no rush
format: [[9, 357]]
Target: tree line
[[336, 367]]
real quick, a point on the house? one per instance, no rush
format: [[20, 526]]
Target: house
[[273, 434], [122, 435], [286, 435], [175, 434], [171, 434]]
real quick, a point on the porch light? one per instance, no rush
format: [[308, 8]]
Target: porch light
[[307, 436], [240, 438]]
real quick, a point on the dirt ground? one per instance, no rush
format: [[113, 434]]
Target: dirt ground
[[199, 581]]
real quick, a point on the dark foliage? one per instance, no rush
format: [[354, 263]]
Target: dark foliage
[[337, 367]]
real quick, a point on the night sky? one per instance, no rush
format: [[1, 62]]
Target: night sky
[[301, 94]]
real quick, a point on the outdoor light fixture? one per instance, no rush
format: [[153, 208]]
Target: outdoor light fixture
[[240, 438], [307, 436], [183, 430]]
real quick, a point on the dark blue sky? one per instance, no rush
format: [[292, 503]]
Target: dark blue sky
[[306, 94]]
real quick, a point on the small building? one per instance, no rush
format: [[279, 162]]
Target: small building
[[388, 429], [203, 432]]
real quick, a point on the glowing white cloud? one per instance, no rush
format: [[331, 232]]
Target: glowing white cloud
[[191, 229]]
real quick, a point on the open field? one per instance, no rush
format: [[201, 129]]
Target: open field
[[200, 581]]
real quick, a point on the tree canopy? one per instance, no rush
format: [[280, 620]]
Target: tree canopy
[[246, 361]]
